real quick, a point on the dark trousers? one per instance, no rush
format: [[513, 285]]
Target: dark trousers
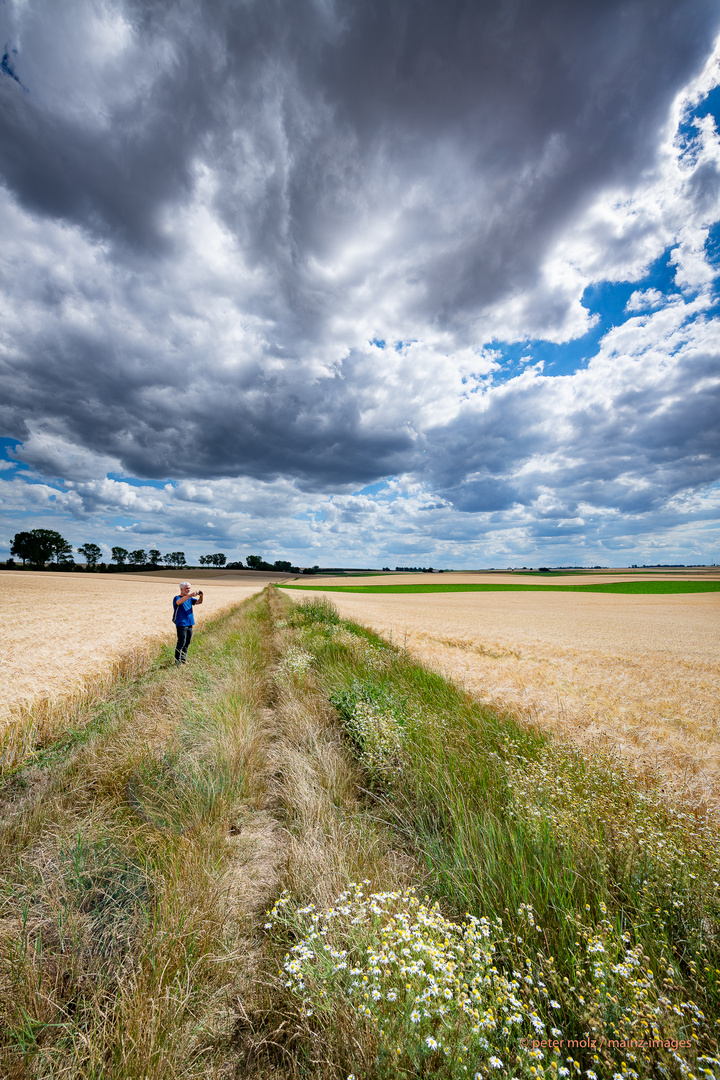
[[184, 637]]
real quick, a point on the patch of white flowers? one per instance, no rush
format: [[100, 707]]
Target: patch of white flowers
[[297, 662], [374, 721], [426, 984]]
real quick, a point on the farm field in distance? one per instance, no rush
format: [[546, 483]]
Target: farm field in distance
[[635, 673]]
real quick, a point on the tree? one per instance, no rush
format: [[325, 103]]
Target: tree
[[57, 545], [154, 557], [218, 559], [137, 558], [175, 558], [205, 560], [119, 555], [22, 546], [91, 554], [40, 545], [283, 566], [63, 556], [255, 562]]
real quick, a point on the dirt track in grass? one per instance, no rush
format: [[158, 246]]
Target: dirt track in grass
[[638, 674]]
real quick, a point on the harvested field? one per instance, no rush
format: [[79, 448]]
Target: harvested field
[[63, 629], [634, 674]]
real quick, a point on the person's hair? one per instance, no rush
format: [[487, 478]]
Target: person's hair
[[184, 583]]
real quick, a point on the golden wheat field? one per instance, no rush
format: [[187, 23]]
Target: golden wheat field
[[62, 629], [632, 673], [638, 674]]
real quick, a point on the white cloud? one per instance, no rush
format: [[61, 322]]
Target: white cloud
[[191, 294], [645, 299]]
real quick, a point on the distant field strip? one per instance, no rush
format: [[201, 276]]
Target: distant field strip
[[644, 587]]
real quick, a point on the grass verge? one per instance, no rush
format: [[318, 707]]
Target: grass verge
[[570, 924], [59, 723]]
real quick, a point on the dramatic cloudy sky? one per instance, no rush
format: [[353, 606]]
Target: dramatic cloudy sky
[[363, 282]]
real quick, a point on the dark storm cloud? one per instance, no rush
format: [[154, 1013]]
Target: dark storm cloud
[[472, 132], [537, 105]]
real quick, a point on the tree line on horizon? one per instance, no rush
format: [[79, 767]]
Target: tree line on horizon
[[39, 547]]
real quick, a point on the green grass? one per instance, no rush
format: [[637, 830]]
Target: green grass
[[604, 900], [652, 588]]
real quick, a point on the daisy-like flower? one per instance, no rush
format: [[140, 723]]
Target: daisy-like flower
[[590, 1074], [392, 995], [495, 1063], [432, 1043], [555, 1005], [415, 1017]]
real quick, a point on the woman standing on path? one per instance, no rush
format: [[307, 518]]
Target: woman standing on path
[[184, 619]]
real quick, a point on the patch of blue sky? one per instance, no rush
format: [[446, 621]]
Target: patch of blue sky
[[127, 523], [709, 106], [712, 245], [135, 481], [373, 489], [605, 299], [398, 346], [7, 447]]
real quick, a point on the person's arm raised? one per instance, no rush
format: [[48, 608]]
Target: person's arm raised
[[178, 601]]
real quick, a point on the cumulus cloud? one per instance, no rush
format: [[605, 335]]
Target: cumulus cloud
[[265, 255]]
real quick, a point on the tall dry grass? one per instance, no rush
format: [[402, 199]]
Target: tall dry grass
[[28, 728], [117, 949], [332, 836]]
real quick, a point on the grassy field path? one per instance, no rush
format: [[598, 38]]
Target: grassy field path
[[306, 856], [137, 859]]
